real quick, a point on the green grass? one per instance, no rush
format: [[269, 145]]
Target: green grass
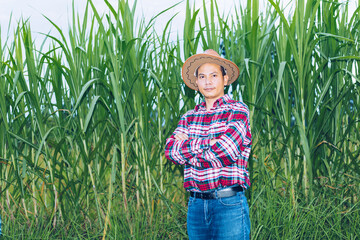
[[328, 216]]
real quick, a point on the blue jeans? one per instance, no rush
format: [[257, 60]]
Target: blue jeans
[[221, 218]]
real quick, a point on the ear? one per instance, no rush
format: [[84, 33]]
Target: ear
[[226, 80]]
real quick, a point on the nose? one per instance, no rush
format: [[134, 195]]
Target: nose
[[208, 80]]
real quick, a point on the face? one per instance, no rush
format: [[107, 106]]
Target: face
[[210, 81]]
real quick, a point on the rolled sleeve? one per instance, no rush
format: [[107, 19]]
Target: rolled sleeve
[[180, 152]]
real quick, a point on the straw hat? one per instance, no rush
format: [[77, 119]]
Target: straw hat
[[209, 56]]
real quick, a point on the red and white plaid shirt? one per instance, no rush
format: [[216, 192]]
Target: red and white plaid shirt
[[222, 164]]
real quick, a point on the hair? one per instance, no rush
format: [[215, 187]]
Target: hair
[[223, 71]]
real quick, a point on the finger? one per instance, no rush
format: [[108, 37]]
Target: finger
[[184, 137], [181, 136], [213, 141]]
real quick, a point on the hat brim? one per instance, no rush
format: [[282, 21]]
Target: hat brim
[[195, 61]]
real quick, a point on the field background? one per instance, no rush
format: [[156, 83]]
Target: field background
[[84, 118]]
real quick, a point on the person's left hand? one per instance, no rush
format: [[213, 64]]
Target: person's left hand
[[213, 141]]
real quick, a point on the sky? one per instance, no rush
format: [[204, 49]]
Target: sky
[[59, 11]]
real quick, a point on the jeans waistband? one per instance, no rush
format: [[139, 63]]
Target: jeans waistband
[[221, 193]]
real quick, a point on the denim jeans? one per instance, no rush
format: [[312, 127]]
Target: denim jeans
[[221, 218]]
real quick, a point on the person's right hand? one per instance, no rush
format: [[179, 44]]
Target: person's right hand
[[181, 137]]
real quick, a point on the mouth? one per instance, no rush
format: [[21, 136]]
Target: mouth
[[208, 89]]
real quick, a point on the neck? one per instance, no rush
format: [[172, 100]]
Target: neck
[[210, 102]]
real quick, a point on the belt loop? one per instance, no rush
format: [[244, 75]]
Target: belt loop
[[216, 193]]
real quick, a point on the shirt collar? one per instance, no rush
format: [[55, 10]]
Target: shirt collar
[[218, 103]]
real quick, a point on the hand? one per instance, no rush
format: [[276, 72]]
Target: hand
[[181, 137], [213, 141]]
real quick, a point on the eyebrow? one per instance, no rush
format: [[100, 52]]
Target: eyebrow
[[209, 73]]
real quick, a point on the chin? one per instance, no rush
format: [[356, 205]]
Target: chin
[[211, 96]]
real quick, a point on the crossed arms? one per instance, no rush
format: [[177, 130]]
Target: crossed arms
[[206, 152]]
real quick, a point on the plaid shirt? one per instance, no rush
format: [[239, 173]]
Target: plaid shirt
[[222, 164]]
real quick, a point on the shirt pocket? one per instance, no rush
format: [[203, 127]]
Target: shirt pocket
[[217, 128], [198, 130]]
